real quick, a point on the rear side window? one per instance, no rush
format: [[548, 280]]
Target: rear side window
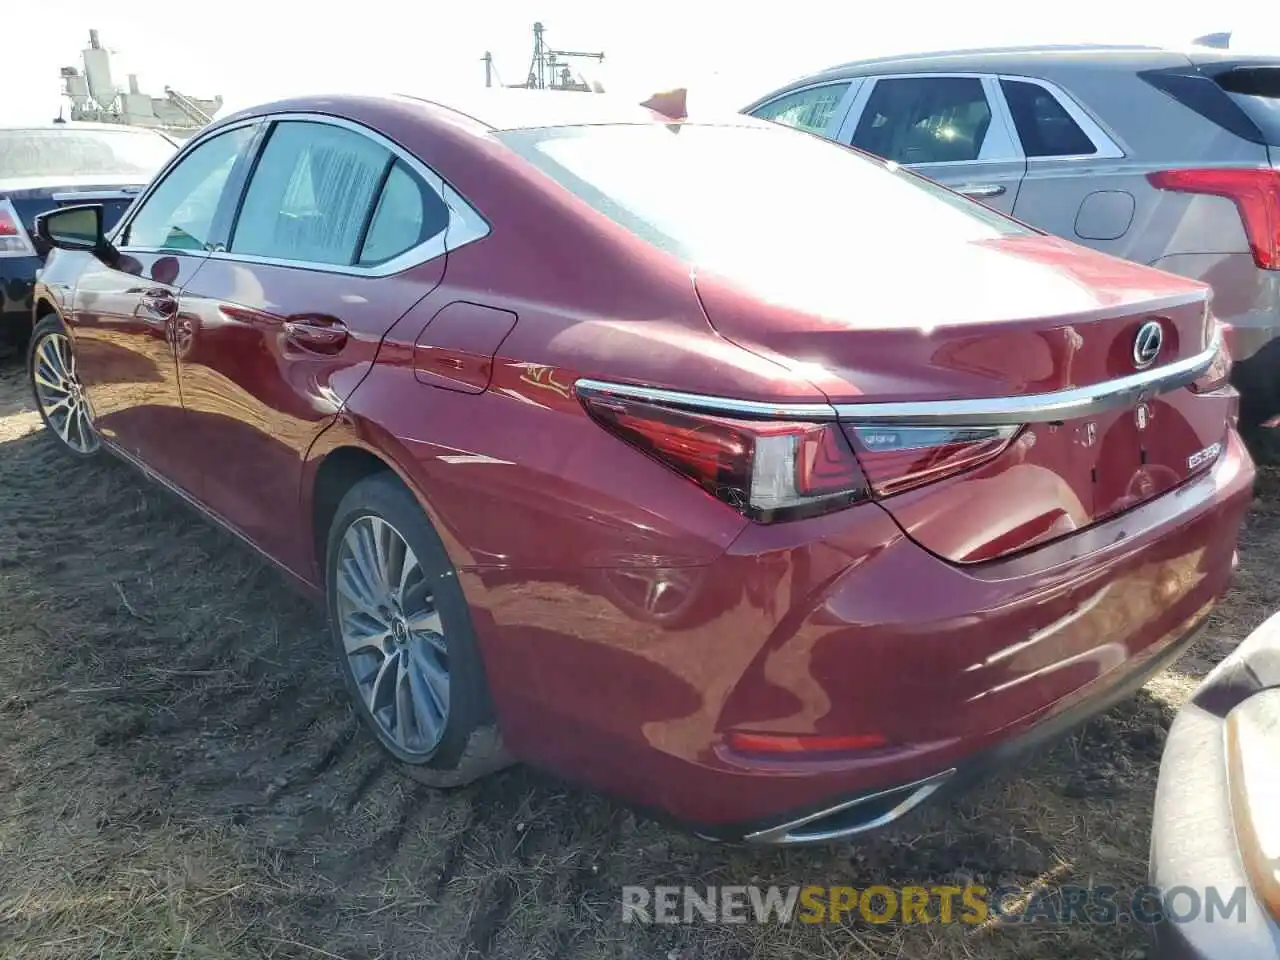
[[1043, 124], [1256, 91], [809, 109], [408, 213], [179, 213], [62, 152], [925, 120], [310, 194]]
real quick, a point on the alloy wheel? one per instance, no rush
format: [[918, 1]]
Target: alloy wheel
[[392, 635], [59, 393]]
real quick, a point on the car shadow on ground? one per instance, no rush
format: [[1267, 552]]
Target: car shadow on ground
[[178, 767]]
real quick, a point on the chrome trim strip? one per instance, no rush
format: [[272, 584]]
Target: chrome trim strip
[[987, 411], [92, 196], [1038, 407], [701, 401], [466, 224], [916, 794]]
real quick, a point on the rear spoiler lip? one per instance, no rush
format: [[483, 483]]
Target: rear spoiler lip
[[95, 196]]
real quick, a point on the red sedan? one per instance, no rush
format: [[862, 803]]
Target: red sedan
[[728, 470]]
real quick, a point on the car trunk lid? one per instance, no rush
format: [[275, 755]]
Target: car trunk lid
[[32, 196], [1028, 333]]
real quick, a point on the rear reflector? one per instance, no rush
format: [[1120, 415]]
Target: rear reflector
[[14, 241], [767, 470], [792, 744], [895, 459], [1255, 192]]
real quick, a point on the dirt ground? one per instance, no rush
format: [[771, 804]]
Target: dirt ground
[[180, 776]]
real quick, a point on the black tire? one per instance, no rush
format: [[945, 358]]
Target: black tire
[[470, 745], [52, 326]]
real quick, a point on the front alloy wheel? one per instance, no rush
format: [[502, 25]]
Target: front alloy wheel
[[59, 393]]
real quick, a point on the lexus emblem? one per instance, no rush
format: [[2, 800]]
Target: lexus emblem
[[1147, 344]]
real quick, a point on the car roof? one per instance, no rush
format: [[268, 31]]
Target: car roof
[[1030, 60], [498, 109]]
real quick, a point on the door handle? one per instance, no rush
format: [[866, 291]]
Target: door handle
[[162, 303], [980, 191], [318, 333]]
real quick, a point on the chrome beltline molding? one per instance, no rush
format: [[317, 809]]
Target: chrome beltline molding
[[1026, 408]]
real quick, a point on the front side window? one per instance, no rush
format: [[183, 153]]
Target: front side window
[[809, 110], [178, 215], [925, 120], [310, 194], [1043, 124]]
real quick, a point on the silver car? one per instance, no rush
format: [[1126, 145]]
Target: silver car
[[1162, 157]]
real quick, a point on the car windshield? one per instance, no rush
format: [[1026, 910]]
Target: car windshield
[[740, 199], [67, 152]]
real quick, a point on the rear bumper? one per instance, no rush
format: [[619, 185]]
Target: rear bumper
[[1193, 839], [843, 626], [863, 814]]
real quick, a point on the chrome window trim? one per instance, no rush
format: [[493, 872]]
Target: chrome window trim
[[1105, 144], [988, 411], [466, 224]]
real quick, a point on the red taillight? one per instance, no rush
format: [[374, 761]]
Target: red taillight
[[1219, 372], [895, 459], [13, 238], [768, 470], [1255, 192], [792, 744]]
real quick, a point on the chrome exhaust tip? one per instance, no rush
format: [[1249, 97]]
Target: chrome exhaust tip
[[852, 817]]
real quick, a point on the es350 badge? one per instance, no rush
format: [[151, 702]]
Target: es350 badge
[[1201, 457]]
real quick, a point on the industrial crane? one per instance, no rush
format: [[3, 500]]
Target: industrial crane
[[548, 70]]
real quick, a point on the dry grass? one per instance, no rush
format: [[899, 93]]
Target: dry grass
[[179, 776]]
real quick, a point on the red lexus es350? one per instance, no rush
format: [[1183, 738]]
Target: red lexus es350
[[730, 471]]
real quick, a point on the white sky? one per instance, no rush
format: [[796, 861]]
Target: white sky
[[725, 52]]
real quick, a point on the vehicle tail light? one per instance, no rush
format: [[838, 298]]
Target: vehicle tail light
[[1255, 192], [1219, 372], [895, 459], [767, 470], [14, 241]]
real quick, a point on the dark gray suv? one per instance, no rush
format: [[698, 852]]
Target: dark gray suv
[[1162, 157]]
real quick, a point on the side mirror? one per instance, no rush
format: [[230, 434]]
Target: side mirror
[[74, 228]]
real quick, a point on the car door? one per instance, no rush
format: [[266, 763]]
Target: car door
[[948, 127], [125, 307], [338, 234], [1076, 184]]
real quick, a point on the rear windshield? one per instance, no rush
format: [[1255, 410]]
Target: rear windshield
[[134, 154], [739, 198], [1256, 91]]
